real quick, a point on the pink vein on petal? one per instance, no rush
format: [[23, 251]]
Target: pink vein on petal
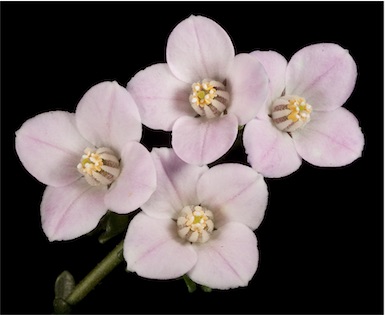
[[172, 185], [109, 119], [69, 207], [318, 78], [162, 98], [227, 264], [203, 61], [243, 189], [203, 141], [327, 136], [50, 145], [149, 251]]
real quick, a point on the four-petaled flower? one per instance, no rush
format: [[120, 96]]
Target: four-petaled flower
[[303, 118], [198, 222], [91, 161], [203, 93]]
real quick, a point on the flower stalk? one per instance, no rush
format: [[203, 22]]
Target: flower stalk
[[112, 260]]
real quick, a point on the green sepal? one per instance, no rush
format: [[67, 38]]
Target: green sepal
[[112, 224], [191, 285], [206, 289], [64, 285]]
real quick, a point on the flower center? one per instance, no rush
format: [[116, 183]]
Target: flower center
[[209, 98], [99, 166], [291, 112], [195, 224]]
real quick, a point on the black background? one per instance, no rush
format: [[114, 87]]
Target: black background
[[321, 241]]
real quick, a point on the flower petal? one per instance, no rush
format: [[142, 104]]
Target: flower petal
[[136, 182], [240, 198], [201, 141], [107, 115], [176, 184], [324, 74], [73, 210], [199, 48], [153, 249], [330, 139], [275, 65], [270, 151], [228, 260], [161, 97], [248, 85], [50, 147]]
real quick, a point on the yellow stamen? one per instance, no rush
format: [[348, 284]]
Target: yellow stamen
[[195, 224], [203, 93], [299, 109], [91, 162], [99, 167], [290, 112]]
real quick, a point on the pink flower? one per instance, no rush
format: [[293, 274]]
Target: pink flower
[[203, 93], [198, 222], [91, 161], [304, 118]]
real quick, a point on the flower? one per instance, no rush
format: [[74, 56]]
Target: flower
[[303, 118], [198, 222], [203, 93], [91, 161]]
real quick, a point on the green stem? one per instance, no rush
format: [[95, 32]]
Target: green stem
[[113, 259]]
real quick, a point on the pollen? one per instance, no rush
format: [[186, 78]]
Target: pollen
[[99, 166], [291, 112], [209, 98], [195, 224], [91, 162]]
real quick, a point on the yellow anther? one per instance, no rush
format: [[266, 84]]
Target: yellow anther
[[91, 162], [195, 224], [209, 98], [99, 167], [202, 94], [290, 112], [299, 109]]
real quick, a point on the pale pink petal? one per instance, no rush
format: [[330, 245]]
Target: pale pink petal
[[50, 147], [233, 192], [136, 182], [248, 85], [176, 184], [324, 74], [202, 141], [153, 249], [161, 97], [73, 210], [108, 116], [275, 65], [199, 48], [228, 260], [270, 151], [330, 139]]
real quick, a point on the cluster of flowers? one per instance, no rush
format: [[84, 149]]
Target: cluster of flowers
[[194, 220]]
